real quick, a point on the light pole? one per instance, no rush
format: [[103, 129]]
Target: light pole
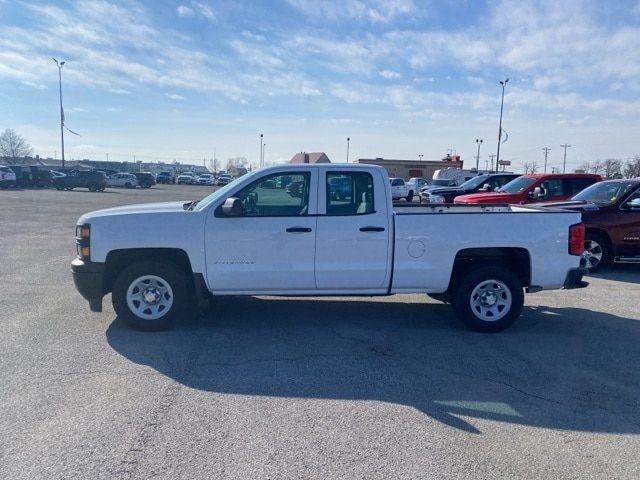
[[264, 145], [504, 84], [261, 150], [420, 155], [564, 161], [60, 64], [478, 142], [348, 140]]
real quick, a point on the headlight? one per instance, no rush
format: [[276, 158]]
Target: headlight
[[83, 234], [436, 199]]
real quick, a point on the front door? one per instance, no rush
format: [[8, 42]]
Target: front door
[[270, 246]]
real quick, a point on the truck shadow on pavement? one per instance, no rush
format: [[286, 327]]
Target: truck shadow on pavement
[[557, 368], [619, 272]]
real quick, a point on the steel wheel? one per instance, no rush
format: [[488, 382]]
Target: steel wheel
[[149, 297], [490, 300]]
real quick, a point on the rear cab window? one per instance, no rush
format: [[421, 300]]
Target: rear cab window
[[349, 193]]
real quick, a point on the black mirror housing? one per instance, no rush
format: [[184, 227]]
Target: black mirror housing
[[232, 207]]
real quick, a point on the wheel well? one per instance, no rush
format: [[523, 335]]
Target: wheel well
[[515, 259], [601, 233], [117, 260]]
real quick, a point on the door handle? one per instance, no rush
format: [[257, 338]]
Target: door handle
[[372, 229], [298, 230]]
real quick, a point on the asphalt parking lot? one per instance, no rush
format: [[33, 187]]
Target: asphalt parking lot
[[271, 388]]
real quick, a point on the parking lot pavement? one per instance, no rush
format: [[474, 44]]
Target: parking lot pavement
[[264, 387]]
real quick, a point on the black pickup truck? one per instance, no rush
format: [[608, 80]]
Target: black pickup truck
[[93, 180]]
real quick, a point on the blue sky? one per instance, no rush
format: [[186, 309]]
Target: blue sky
[[176, 80]]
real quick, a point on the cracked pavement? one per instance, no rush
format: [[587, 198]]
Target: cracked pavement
[[280, 388]]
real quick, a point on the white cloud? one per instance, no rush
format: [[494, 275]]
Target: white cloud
[[120, 91], [389, 74], [374, 11], [184, 11], [196, 8], [174, 96]]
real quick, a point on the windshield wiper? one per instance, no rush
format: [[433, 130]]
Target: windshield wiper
[[190, 205]]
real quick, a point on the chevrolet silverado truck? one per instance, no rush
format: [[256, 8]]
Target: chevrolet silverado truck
[[162, 261], [611, 214]]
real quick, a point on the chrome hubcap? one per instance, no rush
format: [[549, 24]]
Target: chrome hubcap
[[592, 254], [491, 300], [149, 297]]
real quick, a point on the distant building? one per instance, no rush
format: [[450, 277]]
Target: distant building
[[312, 157], [413, 168]]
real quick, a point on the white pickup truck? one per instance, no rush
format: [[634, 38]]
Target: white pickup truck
[[279, 231]]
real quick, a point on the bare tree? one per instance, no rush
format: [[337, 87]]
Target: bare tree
[[585, 166], [632, 168], [13, 145], [612, 168], [530, 167], [236, 162], [597, 166]]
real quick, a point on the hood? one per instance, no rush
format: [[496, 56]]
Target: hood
[[144, 208], [445, 190], [575, 205], [494, 197]]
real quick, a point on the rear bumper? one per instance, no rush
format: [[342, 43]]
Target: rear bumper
[[88, 279], [574, 279]]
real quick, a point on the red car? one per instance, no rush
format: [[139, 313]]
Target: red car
[[611, 214], [539, 187]]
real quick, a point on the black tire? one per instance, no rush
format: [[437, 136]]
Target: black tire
[[478, 297], [597, 252], [93, 187], [410, 196], [177, 294], [59, 188], [128, 185]]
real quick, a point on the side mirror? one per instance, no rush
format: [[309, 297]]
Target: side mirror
[[486, 187], [538, 193], [232, 207]]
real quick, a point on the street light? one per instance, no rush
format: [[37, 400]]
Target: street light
[[504, 84], [264, 145], [478, 142], [261, 150], [60, 64], [348, 140], [420, 156]]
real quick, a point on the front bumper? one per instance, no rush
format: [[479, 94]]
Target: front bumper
[[574, 279], [88, 279]]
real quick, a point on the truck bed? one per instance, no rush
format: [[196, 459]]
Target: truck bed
[[418, 208]]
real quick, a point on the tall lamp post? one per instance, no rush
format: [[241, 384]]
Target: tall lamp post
[[264, 145], [60, 64], [478, 142], [420, 155], [504, 84], [564, 159], [261, 135], [348, 140]]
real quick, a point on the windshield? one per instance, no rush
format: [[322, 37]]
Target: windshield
[[604, 193], [474, 182], [517, 185]]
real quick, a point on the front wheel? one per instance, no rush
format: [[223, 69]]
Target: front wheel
[[488, 299], [410, 196], [150, 295]]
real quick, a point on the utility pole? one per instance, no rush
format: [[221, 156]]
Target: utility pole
[[546, 151], [60, 64], [492, 157], [478, 142], [564, 161], [348, 140], [504, 84]]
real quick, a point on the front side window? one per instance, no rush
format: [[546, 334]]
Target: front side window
[[349, 193], [276, 195]]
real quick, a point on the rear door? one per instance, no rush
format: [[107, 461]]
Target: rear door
[[354, 234]]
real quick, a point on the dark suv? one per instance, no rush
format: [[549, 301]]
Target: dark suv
[[166, 177], [478, 184], [145, 179], [23, 175], [611, 214], [94, 181]]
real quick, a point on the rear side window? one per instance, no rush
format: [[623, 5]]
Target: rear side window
[[397, 182], [573, 186], [349, 193]]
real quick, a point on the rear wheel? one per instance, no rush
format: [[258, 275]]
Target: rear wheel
[[488, 298], [597, 253], [410, 196], [93, 187], [151, 295], [128, 185]]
